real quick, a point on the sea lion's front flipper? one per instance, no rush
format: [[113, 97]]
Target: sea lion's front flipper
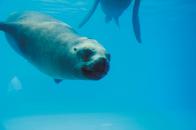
[[58, 81], [135, 20], [92, 10]]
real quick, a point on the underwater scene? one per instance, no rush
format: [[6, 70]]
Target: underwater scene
[[98, 65]]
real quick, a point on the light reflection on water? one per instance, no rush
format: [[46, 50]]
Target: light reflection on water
[[98, 121]]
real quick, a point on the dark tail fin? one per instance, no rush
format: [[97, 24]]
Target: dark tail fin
[[135, 20], [92, 10]]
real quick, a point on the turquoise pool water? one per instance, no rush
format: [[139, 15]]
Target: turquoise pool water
[[150, 86]]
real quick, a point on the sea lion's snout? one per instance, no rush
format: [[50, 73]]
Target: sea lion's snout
[[94, 60], [97, 70], [101, 66]]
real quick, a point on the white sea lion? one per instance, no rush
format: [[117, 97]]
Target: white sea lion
[[113, 9], [55, 48]]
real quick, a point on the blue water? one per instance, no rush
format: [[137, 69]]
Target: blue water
[[150, 86]]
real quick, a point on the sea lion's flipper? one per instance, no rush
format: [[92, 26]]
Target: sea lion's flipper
[[135, 20], [58, 81], [92, 10]]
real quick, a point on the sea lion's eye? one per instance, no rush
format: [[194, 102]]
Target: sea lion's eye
[[75, 49], [86, 54]]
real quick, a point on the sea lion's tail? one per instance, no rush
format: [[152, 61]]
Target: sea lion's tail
[[135, 20], [2, 26]]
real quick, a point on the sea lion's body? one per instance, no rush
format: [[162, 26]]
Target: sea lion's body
[[46, 43], [113, 9], [33, 38]]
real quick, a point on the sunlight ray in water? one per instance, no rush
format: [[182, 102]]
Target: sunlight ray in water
[[60, 6]]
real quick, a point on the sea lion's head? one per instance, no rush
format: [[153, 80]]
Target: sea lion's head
[[91, 59]]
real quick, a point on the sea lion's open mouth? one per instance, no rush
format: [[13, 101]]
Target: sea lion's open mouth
[[97, 71]]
